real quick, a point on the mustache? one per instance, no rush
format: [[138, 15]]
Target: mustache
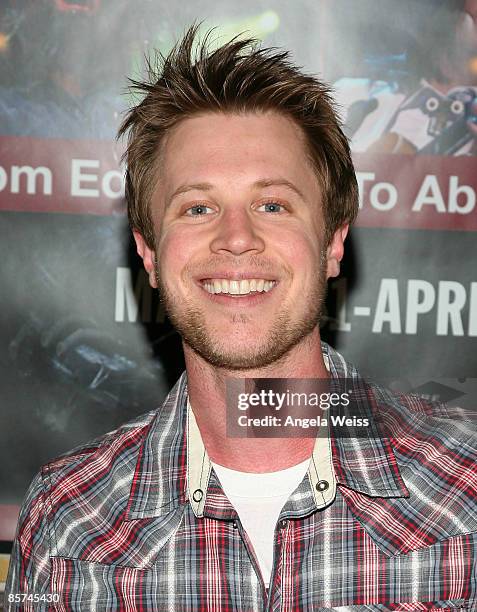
[[260, 263]]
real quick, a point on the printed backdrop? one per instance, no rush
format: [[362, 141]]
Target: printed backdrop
[[84, 343]]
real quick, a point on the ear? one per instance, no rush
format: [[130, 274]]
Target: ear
[[148, 257], [335, 251]]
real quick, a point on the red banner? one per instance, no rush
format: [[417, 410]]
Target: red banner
[[63, 176], [417, 192], [396, 191]]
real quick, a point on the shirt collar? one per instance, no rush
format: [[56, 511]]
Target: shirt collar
[[210, 500], [173, 445]]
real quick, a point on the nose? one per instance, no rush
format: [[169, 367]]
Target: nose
[[236, 234]]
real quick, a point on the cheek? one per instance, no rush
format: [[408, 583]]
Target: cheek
[[176, 250], [301, 251]]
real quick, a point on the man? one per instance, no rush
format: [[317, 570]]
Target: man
[[240, 189]]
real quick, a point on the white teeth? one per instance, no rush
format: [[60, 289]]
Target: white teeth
[[235, 287], [244, 287]]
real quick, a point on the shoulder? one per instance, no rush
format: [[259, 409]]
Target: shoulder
[[407, 414], [435, 449], [74, 472], [74, 486], [100, 473], [122, 433], [432, 448], [435, 446], [413, 415]]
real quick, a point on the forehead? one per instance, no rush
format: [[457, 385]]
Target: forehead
[[221, 147]]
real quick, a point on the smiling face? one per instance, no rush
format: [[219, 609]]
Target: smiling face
[[240, 259]]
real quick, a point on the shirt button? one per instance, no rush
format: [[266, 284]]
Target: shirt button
[[234, 524], [283, 523], [197, 495], [322, 485]]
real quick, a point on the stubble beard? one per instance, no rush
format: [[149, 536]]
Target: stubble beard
[[285, 333]]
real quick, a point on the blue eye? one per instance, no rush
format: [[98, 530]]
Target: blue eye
[[198, 210], [272, 207]]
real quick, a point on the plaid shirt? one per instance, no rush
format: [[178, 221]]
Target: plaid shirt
[[113, 526]]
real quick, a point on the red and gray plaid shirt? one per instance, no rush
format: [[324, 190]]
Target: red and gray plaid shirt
[[110, 525]]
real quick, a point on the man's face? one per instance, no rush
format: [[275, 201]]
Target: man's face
[[240, 259]]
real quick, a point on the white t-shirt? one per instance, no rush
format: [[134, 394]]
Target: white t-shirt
[[258, 499]]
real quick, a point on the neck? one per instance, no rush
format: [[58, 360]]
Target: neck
[[207, 394]]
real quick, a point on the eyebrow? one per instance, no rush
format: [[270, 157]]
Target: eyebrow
[[261, 183]]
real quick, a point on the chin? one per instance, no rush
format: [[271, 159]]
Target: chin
[[237, 353], [243, 361]]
